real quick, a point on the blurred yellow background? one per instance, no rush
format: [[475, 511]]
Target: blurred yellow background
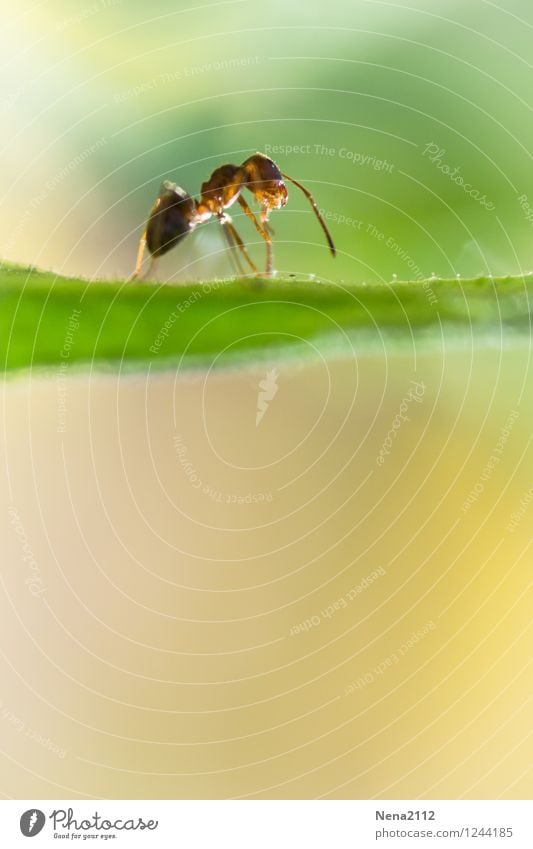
[[224, 609]]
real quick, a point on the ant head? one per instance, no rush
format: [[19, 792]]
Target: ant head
[[265, 181], [220, 191], [173, 216]]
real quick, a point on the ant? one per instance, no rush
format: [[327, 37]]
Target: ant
[[175, 213]]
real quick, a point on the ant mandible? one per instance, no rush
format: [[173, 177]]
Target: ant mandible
[[175, 213]]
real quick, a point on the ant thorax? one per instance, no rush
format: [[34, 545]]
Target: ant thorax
[[221, 190]]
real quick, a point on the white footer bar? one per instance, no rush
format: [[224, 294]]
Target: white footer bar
[[268, 824]]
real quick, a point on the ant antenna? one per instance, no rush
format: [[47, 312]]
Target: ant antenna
[[316, 210]]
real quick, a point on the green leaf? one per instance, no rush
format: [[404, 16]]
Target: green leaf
[[46, 320]]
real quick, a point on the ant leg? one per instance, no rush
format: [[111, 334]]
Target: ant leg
[[142, 246], [140, 254], [154, 261], [311, 200], [263, 230], [225, 221], [270, 256], [233, 252]]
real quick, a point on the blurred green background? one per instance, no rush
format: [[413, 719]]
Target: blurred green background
[[102, 100], [160, 656]]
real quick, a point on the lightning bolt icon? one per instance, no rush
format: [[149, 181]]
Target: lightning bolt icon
[[270, 387], [33, 820]]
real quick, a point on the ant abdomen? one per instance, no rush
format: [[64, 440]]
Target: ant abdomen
[[171, 218]]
